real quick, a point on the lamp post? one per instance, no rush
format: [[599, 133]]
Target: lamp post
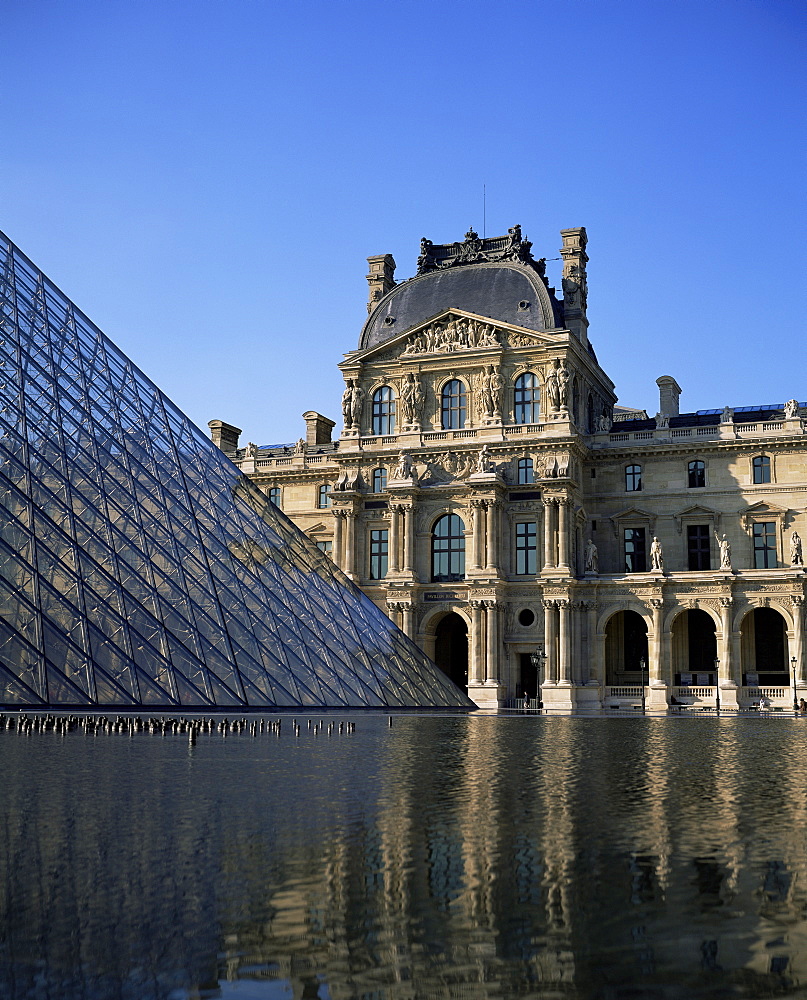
[[717, 684], [537, 659], [642, 665], [795, 692]]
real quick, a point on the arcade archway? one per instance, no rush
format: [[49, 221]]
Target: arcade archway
[[451, 648], [625, 648], [694, 647], [763, 645]]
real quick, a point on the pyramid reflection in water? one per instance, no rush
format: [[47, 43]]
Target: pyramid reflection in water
[[138, 567]]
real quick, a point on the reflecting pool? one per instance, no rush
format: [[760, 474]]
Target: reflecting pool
[[471, 856]]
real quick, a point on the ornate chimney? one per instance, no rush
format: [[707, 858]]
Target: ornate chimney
[[575, 286], [668, 391], [224, 436], [381, 278]]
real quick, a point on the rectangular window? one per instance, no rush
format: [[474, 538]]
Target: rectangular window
[[526, 548], [326, 547], [698, 546], [379, 546], [762, 469], [765, 545], [635, 555]]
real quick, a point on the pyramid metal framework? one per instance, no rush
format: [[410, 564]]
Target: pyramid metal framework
[[138, 567]]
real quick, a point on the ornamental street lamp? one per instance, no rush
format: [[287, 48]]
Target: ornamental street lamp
[[642, 665], [717, 684], [795, 693], [538, 659]]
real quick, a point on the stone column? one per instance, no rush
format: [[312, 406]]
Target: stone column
[[409, 540], [337, 537], [591, 634], [726, 658], [549, 640], [491, 641], [408, 617], [563, 534], [798, 638], [656, 671], [350, 544], [492, 560], [475, 671], [477, 515], [564, 665], [549, 534], [394, 612], [394, 529]]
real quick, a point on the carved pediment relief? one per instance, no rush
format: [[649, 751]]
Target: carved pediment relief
[[695, 513], [456, 331], [763, 511], [634, 515]]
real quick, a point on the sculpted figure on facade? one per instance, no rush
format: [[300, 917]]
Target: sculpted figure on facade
[[300, 447], [725, 551], [591, 558], [455, 334], [662, 421], [656, 556], [552, 390], [251, 450], [603, 423], [347, 397], [356, 403], [483, 462], [496, 387], [564, 385], [796, 558], [404, 469], [727, 416], [791, 409], [412, 399]]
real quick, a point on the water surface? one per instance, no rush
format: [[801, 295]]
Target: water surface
[[442, 857]]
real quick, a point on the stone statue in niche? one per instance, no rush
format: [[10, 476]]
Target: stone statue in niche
[[656, 556], [552, 390], [412, 400], [356, 403], [791, 409], [564, 385], [603, 423], [347, 397], [796, 558], [590, 557], [725, 551]]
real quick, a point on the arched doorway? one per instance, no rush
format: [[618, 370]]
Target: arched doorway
[[625, 648], [764, 648], [694, 647], [451, 648]]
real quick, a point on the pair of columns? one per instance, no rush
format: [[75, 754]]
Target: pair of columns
[[483, 666], [556, 533], [403, 613], [570, 641], [344, 540], [485, 534], [401, 536]]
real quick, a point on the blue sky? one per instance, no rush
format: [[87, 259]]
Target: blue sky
[[206, 179]]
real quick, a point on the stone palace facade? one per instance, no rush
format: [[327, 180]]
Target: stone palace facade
[[487, 492]]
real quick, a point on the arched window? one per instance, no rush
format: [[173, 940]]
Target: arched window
[[274, 496], [526, 399], [324, 495], [448, 549], [384, 410], [379, 480], [526, 472], [696, 474], [453, 405], [762, 469], [633, 478]]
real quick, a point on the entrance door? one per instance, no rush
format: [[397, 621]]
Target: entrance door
[[451, 649], [529, 677]]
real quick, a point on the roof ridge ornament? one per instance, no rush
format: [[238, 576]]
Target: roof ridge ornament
[[473, 250]]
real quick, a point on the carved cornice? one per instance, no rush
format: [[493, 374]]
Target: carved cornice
[[473, 250]]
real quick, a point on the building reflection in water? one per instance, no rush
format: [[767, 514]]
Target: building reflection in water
[[474, 857]]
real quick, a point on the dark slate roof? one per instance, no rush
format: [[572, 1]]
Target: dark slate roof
[[490, 290], [707, 418]]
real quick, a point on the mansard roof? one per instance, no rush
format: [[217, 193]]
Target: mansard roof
[[496, 278]]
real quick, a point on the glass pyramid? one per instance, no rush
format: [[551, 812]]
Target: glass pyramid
[[138, 567]]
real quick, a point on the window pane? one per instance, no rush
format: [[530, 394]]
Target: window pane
[[762, 469], [526, 473], [635, 558], [453, 405], [696, 474], [526, 399], [633, 478], [384, 411], [379, 480], [448, 549], [324, 496], [698, 547], [526, 556], [765, 545], [379, 545]]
